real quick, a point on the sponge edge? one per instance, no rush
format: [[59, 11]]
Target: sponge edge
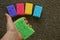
[[23, 28], [28, 8]]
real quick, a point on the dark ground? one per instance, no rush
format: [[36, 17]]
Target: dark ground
[[47, 27]]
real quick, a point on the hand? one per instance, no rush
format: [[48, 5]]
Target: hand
[[12, 33]]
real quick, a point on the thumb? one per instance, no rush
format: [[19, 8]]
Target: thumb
[[10, 24]]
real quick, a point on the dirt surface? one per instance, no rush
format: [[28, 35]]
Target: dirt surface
[[47, 27]]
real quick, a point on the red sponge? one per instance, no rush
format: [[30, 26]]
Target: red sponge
[[20, 8]]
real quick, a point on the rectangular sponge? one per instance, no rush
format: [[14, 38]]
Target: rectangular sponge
[[37, 11], [11, 10], [28, 8], [20, 8], [23, 28]]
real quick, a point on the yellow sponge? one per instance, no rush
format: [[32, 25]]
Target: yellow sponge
[[28, 8]]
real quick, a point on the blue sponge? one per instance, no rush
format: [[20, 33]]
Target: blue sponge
[[11, 10], [37, 11]]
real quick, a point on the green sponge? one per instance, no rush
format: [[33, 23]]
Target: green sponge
[[23, 28]]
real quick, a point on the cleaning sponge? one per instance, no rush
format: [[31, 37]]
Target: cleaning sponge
[[37, 11], [20, 8], [28, 8], [11, 10], [23, 28]]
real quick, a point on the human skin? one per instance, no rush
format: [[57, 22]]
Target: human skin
[[12, 33]]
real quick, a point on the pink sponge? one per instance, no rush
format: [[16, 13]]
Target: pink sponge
[[20, 8]]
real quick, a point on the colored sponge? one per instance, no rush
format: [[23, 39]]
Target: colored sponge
[[11, 10], [37, 11], [20, 8], [23, 28], [28, 8]]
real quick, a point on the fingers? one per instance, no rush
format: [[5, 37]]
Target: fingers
[[27, 22], [30, 25], [10, 24]]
